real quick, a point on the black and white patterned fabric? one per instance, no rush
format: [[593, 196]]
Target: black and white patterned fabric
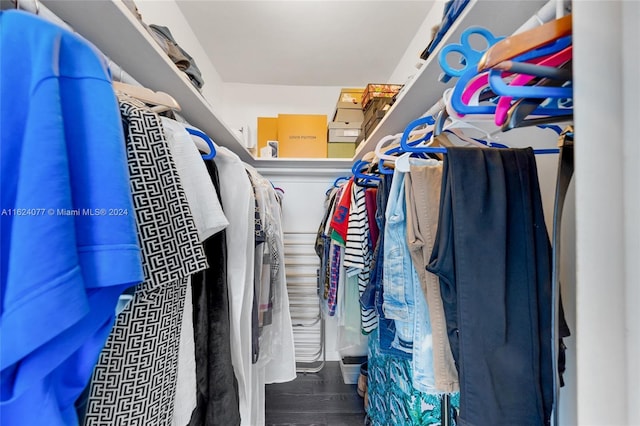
[[135, 379], [357, 254]]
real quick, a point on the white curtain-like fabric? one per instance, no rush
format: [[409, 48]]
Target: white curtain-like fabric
[[238, 203]]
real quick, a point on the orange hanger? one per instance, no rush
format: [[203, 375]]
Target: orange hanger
[[518, 44]]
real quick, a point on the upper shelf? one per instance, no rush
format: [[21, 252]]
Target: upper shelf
[[118, 34], [424, 90]]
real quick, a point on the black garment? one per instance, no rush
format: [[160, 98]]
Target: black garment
[[493, 257], [217, 387]]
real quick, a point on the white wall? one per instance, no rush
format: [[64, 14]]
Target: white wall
[[406, 68], [606, 95], [244, 103], [167, 13]]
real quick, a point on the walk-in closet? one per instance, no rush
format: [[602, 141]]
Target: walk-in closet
[[327, 213]]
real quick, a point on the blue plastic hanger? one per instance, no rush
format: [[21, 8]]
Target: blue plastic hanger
[[541, 92], [207, 139], [469, 57], [363, 179], [397, 150], [406, 147], [335, 183], [470, 74], [338, 180], [442, 150]]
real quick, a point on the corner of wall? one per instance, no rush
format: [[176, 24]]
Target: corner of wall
[[169, 14], [406, 68]]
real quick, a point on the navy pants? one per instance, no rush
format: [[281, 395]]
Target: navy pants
[[493, 258]]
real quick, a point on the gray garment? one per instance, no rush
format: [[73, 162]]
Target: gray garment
[[182, 59]]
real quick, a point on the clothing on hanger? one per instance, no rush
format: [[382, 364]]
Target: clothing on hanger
[[67, 218], [145, 340], [497, 214], [217, 386]]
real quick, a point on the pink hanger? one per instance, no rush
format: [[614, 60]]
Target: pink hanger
[[481, 81], [504, 103]]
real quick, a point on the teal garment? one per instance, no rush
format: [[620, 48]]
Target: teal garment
[[392, 399]]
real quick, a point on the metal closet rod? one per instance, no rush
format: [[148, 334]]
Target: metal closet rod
[[37, 8]]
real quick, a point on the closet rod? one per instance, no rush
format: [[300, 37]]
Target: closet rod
[[545, 14], [37, 8]]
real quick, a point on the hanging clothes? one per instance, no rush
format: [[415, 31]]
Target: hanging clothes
[[422, 191], [134, 381], [357, 253], [492, 250], [201, 195], [67, 218], [237, 199], [217, 386], [277, 350], [209, 220], [374, 293], [392, 399], [259, 261]]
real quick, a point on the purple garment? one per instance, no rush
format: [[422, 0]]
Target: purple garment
[[335, 276]]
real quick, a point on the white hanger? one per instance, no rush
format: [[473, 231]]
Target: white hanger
[[161, 101], [457, 122], [381, 155]]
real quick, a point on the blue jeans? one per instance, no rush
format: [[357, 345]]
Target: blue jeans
[[399, 273], [404, 299], [493, 258], [374, 293]]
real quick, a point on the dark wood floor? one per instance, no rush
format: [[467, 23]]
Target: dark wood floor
[[320, 399]]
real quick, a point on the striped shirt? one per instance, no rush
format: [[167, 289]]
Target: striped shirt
[[357, 254]]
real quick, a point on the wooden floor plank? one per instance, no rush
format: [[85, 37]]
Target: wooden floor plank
[[318, 399]]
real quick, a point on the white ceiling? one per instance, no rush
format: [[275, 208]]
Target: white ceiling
[[305, 43]]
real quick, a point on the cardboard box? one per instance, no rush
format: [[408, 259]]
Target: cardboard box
[[344, 132], [379, 91], [375, 107], [370, 125], [348, 115], [302, 136], [350, 98], [267, 131], [341, 149]]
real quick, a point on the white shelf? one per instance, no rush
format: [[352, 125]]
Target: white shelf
[[111, 27], [118, 34], [424, 90], [309, 164]]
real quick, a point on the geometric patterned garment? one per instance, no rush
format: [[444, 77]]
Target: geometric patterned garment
[[134, 382], [393, 401]]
